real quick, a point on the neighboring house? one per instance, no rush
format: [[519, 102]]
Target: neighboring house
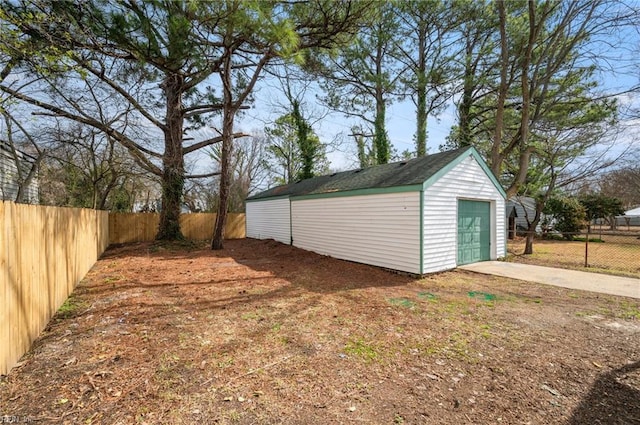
[[9, 177], [520, 210], [635, 212], [420, 216], [630, 218]]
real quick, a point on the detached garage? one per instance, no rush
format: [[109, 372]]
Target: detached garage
[[419, 216]]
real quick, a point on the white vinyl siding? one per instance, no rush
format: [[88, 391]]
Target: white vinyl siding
[[269, 219], [468, 181], [381, 230], [9, 177], [525, 207]]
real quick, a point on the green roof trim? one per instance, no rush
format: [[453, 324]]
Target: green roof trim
[[359, 192], [405, 176], [273, 198]]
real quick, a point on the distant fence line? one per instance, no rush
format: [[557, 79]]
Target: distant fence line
[[142, 227], [44, 253], [604, 250]]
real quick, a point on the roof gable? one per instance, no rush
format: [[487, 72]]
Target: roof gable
[[418, 172], [633, 213], [8, 151]]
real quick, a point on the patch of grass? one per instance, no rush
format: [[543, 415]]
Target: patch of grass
[[285, 340], [624, 310], [276, 327], [343, 321], [402, 302], [484, 331], [582, 239], [360, 348], [629, 310], [458, 346], [225, 362], [250, 316], [72, 307], [167, 374], [618, 256], [184, 339], [482, 295], [233, 415], [113, 279], [454, 347], [533, 300], [457, 307], [168, 361], [609, 271], [428, 296], [141, 414]]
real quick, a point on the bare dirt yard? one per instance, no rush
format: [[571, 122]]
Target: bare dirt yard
[[264, 333]]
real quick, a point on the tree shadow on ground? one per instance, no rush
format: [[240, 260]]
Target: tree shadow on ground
[[304, 269], [613, 399]]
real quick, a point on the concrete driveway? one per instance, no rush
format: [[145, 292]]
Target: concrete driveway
[[573, 279]]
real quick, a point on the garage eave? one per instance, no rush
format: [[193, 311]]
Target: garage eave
[[271, 198], [360, 192]]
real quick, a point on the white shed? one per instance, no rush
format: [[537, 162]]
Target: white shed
[[420, 216]]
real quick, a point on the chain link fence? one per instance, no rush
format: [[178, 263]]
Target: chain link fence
[[599, 250]]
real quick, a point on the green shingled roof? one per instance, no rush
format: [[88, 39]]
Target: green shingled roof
[[405, 173]]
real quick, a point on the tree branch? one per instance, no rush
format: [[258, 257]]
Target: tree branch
[[101, 76], [202, 109], [135, 149], [209, 142], [202, 176]]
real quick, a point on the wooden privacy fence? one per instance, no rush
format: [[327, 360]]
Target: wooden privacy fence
[[44, 253], [142, 227]]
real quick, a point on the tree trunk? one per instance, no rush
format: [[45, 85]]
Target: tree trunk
[[525, 150], [229, 111], [172, 161], [528, 245], [531, 230], [225, 182], [540, 203], [496, 156], [421, 88], [307, 151], [24, 185], [362, 155], [380, 140], [464, 110], [380, 134]]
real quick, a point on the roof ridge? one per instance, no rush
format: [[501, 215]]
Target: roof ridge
[[393, 174]]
